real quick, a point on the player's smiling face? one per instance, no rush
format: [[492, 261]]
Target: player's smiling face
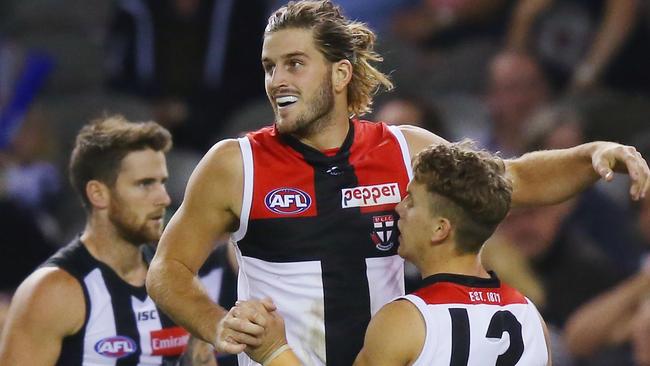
[[298, 81]]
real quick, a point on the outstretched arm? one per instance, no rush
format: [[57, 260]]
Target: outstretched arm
[[552, 176], [210, 209]]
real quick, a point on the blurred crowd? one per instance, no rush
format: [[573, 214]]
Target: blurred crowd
[[514, 75]]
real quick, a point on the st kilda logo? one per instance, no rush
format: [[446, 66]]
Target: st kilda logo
[[382, 235]]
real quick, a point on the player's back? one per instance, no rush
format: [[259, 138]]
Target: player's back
[[478, 321]]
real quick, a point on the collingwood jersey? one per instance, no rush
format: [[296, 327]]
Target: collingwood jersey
[[123, 326], [318, 234], [473, 321]]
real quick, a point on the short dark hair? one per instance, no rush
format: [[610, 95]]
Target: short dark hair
[[101, 145], [337, 38], [471, 187]]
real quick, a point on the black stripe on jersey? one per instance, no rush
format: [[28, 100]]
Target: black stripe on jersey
[[459, 337], [125, 322], [344, 272]]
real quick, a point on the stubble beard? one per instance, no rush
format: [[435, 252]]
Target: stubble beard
[[318, 114], [125, 223]]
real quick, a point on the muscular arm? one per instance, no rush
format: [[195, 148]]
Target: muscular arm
[[47, 307], [405, 327], [552, 176], [210, 209]]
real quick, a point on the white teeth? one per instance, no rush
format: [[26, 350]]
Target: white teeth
[[282, 101]]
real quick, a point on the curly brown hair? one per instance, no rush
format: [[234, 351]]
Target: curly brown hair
[[338, 38], [469, 188], [101, 145]]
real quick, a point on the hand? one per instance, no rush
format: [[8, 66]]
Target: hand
[[609, 157], [274, 336], [242, 326]]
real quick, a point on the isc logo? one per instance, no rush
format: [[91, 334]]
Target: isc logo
[[287, 201], [116, 347]]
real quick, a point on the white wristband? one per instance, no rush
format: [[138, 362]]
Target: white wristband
[[275, 354]]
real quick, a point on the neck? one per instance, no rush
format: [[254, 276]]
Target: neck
[[107, 246], [448, 260], [331, 133]]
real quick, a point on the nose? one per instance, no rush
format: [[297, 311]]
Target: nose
[[163, 198], [399, 208], [277, 79]]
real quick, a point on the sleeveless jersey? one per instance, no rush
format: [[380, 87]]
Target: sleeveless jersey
[[473, 321], [123, 326], [317, 229]]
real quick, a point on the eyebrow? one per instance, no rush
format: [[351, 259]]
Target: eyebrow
[[288, 55]]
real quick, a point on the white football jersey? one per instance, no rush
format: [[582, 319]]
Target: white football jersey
[[473, 321]]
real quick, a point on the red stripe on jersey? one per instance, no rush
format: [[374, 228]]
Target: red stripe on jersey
[[452, 293], [376, 148], [278, 166]]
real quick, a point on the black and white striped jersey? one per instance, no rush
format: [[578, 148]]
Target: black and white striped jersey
[[123, 326], [318, 234]]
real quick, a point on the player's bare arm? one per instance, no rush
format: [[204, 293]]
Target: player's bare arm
[[552, 176], [211, 207], [48, 306], [395, 336]]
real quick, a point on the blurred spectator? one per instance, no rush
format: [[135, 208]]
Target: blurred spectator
[[435, 23], [376, 13], [615, 327], [607, 223], [517, 87], [195, 59], [410, 110], [583, 43]]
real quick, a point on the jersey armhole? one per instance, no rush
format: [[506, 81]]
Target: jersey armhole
[[247, 199], [404, 147], [422, 310]]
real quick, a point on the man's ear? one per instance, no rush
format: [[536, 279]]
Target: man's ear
[[440, 230], [341, 75], [98, 194]]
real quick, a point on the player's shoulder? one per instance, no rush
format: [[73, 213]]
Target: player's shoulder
[[403, 322], [52, 295], [396, 316], [418, 138]]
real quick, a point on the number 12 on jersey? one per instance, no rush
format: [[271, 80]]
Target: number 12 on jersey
[[501, 322]]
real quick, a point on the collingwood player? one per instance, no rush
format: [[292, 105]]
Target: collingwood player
[[87, 305]]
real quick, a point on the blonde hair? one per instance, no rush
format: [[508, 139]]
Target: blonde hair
[[338, 38]]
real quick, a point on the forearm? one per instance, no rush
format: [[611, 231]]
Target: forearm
[[552, 176], [522, 22], [286, 358], [180, 295], [595, 324], [620, 18]]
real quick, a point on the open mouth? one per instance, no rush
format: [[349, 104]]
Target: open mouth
[[286, 101]]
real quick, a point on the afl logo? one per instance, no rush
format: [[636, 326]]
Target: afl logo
[[287, 201], [115, 347]]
